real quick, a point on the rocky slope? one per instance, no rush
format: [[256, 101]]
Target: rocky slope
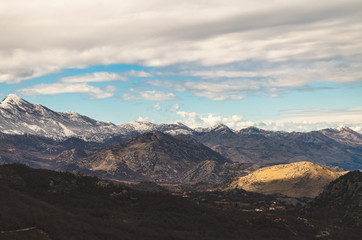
[[340, 202], [301, 179], [151, 156], [42, 152]]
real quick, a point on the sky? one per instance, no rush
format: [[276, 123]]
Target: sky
[[273, 64]]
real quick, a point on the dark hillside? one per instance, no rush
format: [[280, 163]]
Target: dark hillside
[[54, 205]]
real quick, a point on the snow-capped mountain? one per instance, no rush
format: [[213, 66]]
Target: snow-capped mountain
[[143, 127], [18, 116]]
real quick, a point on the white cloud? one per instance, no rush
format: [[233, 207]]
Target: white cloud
[[59, 88], [149, 95], [171, 85], [94, 77], [157, 106], [77, 34], [144, 119], [233, 121], [314, 119], [294, 120], [219, 91], [174, 107], [139, 73], [193, 119], [269, 79]]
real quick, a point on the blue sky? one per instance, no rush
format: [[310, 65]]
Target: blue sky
[[279, 65]]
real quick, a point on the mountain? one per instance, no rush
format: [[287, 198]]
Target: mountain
[[42, 152], [215, 173], [330, 147], [139, 127], [151, 156], [301, 179], [341, 201], [338, 209], [18, 116], [160, 152], [344, 135]]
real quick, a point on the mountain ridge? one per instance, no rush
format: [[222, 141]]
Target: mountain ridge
[[340, 146], [151, 156], [12, 101]]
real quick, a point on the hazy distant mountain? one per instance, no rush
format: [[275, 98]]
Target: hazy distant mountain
[[301, 179], [331, 147]]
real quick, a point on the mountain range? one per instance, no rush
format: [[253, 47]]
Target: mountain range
[[222, 173], [167, 153], [330, 147]]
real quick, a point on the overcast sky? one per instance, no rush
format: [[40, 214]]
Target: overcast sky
[[280, 65]]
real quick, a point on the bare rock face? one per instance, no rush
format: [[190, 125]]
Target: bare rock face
[[301, 179]]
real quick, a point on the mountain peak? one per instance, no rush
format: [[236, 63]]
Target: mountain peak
[[219, 127], [12, 100], [251, 130], [342, 128]]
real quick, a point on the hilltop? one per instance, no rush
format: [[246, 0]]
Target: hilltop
[[301, 179]]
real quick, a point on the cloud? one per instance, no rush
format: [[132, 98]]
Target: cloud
[[310, 119], [59, 88], [171, 85], [294, 120], [193, 119], [144, 119], [268, 79], [149, 95], [157, 106], [174, 107], [233, 121], [163, 33], [94, 77], [220, 90], [134, 73]]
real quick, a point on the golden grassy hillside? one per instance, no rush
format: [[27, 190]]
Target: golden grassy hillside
[[301, 179]]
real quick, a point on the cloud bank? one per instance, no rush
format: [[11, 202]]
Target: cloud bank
[[43, 37], [294, 120], [58, 88]]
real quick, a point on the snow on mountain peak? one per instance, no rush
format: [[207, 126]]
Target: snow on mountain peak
[[10, 100], [219, 126], [139, 126], [342, 128]]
